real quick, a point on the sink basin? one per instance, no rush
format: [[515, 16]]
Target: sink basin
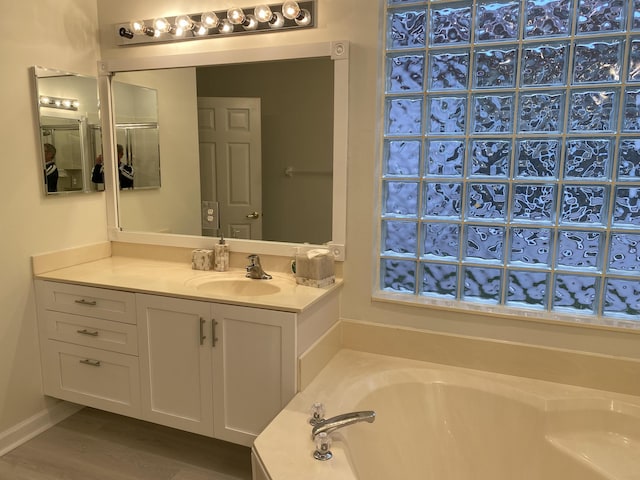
[[244, 287]]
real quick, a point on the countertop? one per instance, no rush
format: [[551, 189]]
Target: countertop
[[178, 279]]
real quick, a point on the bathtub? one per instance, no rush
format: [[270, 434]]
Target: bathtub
[[446, 423]]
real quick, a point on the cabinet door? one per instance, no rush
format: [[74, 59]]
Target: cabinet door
[[254, 369], [175, 362]]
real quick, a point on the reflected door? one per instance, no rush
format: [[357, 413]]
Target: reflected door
[[231, 163]]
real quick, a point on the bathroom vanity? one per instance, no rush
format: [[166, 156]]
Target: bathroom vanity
[[206, 352]]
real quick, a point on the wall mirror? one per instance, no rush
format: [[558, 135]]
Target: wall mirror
[[286, 105], [69, 130]]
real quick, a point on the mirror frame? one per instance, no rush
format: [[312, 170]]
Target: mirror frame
[[338, 51]]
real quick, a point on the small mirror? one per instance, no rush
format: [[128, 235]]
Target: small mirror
[[137, 136], [69, 131]]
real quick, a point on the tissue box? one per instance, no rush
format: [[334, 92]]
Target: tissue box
[[202, 259], [315, 268]]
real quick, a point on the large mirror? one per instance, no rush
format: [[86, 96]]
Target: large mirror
[[69, 130], [252, 149]]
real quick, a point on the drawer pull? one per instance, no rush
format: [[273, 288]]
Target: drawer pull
[[93, 363], [87, 332], [91, 303]]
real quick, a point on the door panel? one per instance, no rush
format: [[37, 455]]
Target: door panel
[[176, 360], [231, 158], [254, 370]]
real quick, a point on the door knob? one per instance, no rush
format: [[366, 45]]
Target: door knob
[[253, 215]]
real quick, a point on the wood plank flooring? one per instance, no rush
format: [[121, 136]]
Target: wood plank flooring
[[96, 445]]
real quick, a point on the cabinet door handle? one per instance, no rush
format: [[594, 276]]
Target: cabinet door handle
[[82, 301], [84, 331], [214, 339], [202, 335], [93, 363]]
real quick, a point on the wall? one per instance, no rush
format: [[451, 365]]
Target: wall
[[359, 22], [61, 34]]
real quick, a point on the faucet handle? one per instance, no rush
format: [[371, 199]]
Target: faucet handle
[[317, 413], [323, 446]]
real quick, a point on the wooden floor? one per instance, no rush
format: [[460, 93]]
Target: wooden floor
[[96, 445]]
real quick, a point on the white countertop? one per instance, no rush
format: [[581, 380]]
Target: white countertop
[[180, 280]]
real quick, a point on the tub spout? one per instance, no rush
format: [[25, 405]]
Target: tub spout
[[339, 421]]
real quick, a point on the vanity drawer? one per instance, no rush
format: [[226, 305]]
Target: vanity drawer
[[88, 376], [89, 301], [92, 332]]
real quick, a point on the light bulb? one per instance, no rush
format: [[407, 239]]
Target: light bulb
[[137, 26], [200, 29], [226, 26], [161, 25], [66, 103], [250, 22], [209, 19], [57, 103], [45, 100], [290, 9], [125, 32], [277, 21], [304, 18], [263, 13], [235, 15], [75, 104], [178, 31], [184, 22]]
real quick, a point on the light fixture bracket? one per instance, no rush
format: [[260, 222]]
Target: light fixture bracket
[[125, 36]]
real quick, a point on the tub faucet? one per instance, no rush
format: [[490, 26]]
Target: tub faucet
[[254, 269], [339, 421]]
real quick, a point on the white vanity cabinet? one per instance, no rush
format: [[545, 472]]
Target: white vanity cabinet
[[223, 370], [89, 346], [218, 370]]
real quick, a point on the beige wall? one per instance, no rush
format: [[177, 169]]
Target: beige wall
[[60, 34]]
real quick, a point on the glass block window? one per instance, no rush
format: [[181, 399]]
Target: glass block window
[[511, 156]]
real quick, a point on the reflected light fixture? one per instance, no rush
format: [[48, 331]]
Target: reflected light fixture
[[58, 102], [263, 18]]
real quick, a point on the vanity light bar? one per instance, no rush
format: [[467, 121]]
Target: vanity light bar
[[58, 102], [289, 15]]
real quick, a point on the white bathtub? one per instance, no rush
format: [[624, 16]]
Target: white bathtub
[[446, 423]]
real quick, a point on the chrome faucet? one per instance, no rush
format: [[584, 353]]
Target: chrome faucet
[[254, 269], [334, 423]]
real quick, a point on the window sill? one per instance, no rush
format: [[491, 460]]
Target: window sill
[[555, 318]]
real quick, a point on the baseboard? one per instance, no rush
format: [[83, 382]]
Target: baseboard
[[35, 425]]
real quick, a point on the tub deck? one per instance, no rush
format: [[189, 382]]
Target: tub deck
[[454, 423]]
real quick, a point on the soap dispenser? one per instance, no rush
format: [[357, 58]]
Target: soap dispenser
[[221, 255]]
